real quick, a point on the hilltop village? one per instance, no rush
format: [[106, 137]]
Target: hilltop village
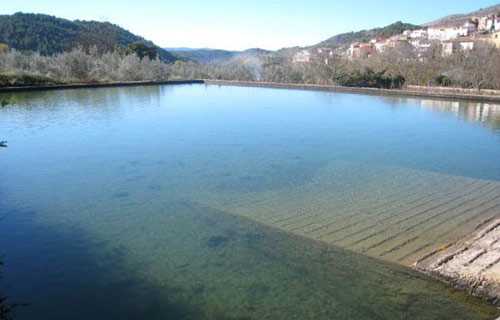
[[449, 38]]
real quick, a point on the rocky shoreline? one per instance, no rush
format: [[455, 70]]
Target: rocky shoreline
[[471, 264]]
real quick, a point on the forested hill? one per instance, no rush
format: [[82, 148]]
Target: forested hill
[[367, 35], [49, 35], [216, 55]]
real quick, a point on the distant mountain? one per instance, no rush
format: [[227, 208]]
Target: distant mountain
[[255, 51], [182, 49], [50, 35], [215, 55], [205, 55], [460, 19], [366, 35]]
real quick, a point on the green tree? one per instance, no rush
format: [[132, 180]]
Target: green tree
[[142, 50]]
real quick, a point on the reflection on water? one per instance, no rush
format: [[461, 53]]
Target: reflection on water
[[206, 202], [485, 113]]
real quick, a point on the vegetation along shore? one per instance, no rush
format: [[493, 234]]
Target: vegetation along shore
[[101, 52]]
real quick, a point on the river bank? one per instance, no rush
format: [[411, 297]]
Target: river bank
[[97, 85], [411, 91], [492, 96]]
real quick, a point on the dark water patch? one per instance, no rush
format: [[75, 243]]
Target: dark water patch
[[137, 178], [120, 194], [155, 186], [180, 164], [217, 241], [80, 282], [198, 289], [274, 176], [258, 289]]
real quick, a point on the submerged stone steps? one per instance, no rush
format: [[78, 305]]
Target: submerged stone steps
[[391, 213], [472, 263], [386, 212]]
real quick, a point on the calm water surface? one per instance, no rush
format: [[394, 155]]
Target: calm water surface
[[206, 202]]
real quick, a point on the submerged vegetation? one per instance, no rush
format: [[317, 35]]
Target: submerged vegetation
[[5, 102], [5, 308]]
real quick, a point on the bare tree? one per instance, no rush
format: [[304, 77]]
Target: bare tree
[[476, 69]]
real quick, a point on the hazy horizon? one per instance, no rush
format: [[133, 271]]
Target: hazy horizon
[[241, 25]]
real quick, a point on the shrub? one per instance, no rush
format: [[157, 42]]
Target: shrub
[[25, 79], [368, 78], [443, 81]]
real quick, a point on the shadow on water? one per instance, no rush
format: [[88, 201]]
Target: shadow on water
[[198, 263], [66, 279]]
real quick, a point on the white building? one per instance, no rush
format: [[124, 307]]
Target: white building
[[415, 34], [325, 51], [446, 33], [471, 25], [489, 23], [419, 34], [382, 46], [302, 56], [447, 49], [463, 44], [381, 43], [420, 45], [466, 45], [482, 23]]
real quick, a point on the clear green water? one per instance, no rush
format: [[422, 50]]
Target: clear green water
[[206, 202]]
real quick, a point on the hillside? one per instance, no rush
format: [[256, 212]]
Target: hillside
[[216, 55], [205, 55], [50, 35], [366, 35], [459, 19]]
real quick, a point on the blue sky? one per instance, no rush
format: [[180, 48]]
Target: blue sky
[[269, 24]]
